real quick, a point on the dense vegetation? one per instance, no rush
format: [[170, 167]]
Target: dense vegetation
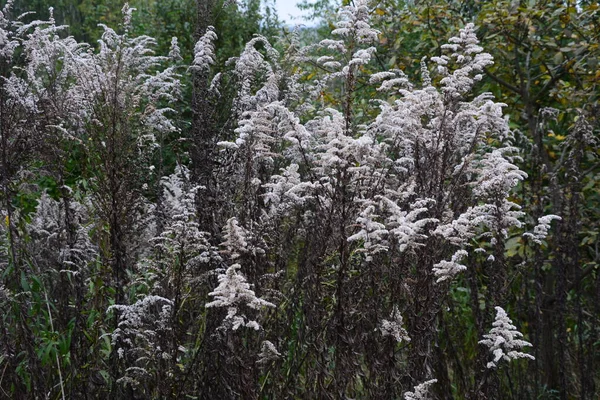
[[401, 202]]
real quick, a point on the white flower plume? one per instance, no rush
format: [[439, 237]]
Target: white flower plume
[[540, 231], [421, 391], [204, 51], [268, 353], [234, 292], [394, 327], [447, 269], [174, 50], [469, 59], [503, 340], [354, 22], [372, 232]]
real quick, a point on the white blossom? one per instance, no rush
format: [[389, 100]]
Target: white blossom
[[174, 191], [215, 83], [497, 175], [362, 56], [405, 226], [251, 66], [234, 293], [540, 231], [235, 237], [140, 327], [392, 79], [135, 316], [447, 269], [8, 44], [181, 242], [470, 61], [372, 233], [175, 51], [503, 340], [287, 190], [127, 13], [268, 353], [354, 22], [204, 51], [51, 240], [421, 391], [394, 327]]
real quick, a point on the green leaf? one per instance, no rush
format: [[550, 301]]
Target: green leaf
[[24, 282]]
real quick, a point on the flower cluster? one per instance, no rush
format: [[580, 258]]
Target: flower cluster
[[503, 340], [234, 293]]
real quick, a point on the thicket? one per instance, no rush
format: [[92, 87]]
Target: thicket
[[401, 203]]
